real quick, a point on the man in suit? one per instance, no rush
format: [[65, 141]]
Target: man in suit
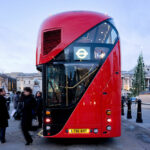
[[4, 115]]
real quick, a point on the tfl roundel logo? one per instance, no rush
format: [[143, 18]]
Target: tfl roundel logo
[[81, 53]]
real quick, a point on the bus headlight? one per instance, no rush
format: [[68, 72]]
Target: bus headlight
[[95, 130], [109, 120], [47, 120], [108, 128], [48, 127]]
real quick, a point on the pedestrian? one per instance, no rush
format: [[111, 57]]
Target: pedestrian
[[18, 113], [4, 115], [26, 120], [39, 108], [16, 99], [8, 100], [12, 95], [20, 104]]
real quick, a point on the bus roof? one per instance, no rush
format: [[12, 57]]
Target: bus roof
[[72, 25]]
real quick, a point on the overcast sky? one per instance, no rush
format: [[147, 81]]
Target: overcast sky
[[20, 21]]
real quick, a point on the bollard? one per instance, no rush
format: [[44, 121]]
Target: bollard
[[129, 116], [139, 112], [122, 106]]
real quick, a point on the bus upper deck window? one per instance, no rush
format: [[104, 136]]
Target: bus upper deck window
[[103, 33], [106, 34], [87, 37], [95, 44]]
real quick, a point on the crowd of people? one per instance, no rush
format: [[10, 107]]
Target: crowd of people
[[26, 108]]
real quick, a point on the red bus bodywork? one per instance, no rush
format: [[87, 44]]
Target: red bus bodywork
[[103, 93]]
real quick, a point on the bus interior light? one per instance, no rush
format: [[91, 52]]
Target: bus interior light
[[102, 55]]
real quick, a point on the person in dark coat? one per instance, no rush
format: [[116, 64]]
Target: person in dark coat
[[39, 108], [20, 104], [4, 115], [27, 111], [8, 101], [16, 99]]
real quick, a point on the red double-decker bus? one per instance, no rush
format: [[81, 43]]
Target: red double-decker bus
[[78, 53]]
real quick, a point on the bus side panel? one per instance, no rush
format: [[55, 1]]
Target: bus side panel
[[111, 98], [90, 111]]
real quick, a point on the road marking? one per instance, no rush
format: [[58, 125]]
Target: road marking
[[40, 133]]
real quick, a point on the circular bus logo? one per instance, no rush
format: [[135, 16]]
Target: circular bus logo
[[81, 53]]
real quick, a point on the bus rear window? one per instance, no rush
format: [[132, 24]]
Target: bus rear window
[[67, 82]]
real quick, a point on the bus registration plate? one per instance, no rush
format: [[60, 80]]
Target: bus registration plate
[[79, 131]]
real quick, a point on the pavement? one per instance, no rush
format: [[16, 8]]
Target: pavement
[[134, 137], [145, 115]]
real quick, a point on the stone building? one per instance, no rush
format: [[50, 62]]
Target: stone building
[[127, 77], [8, 83], [33, 80]]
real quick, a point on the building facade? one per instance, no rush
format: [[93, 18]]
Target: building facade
[[32, 80], [127, 78], [8, 83], [18, 80]]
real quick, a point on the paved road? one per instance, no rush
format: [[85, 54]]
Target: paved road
[[145, 115], [133, 138]]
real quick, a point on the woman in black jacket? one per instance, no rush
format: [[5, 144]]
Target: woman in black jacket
[[4, 116], [27, 113]]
